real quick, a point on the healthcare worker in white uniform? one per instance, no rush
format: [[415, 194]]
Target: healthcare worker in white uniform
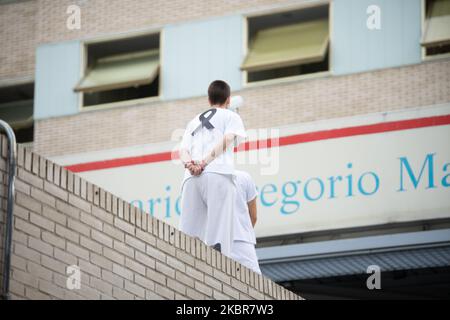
[[245, 216], [208, 190]]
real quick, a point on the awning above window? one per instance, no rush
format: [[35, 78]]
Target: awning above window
[[289, 45], [121, 71], [437, 28], [18, 114]]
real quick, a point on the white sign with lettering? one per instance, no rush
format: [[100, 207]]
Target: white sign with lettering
[[333, 174]]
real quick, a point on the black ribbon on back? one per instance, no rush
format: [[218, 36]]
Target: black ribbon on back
[[205, 120]]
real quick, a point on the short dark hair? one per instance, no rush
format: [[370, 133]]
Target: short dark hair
[[218, 92]]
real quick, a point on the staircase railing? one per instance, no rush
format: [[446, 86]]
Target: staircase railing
[[12, 151]]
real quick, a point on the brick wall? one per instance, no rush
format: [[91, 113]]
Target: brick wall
[[25, 24], [18, 38], [62, 220], [265, 106]]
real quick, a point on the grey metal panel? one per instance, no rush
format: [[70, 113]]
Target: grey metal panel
[[373, 243], [196, 53], [57, 73], [352, 256], [356, 48], [357, 264]]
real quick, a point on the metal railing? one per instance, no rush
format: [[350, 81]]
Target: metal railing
[[12, 151]]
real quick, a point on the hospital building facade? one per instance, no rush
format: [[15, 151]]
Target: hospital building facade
[[348, 102]]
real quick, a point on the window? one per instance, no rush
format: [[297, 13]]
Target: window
[[16, 108], [287, 44], [121, 70], [436, 35], [9, 1]]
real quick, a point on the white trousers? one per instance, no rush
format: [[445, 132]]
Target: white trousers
[[245, 253], [207, 206]]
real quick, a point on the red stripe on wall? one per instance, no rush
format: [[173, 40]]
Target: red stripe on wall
[[283, 141]]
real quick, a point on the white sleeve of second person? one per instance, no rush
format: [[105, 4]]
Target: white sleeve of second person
[[251, 191], [235, 126]]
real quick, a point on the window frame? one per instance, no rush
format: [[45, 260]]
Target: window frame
[[110, 38], [268, 12], [4, 2], [423, 24], [26, 80]]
